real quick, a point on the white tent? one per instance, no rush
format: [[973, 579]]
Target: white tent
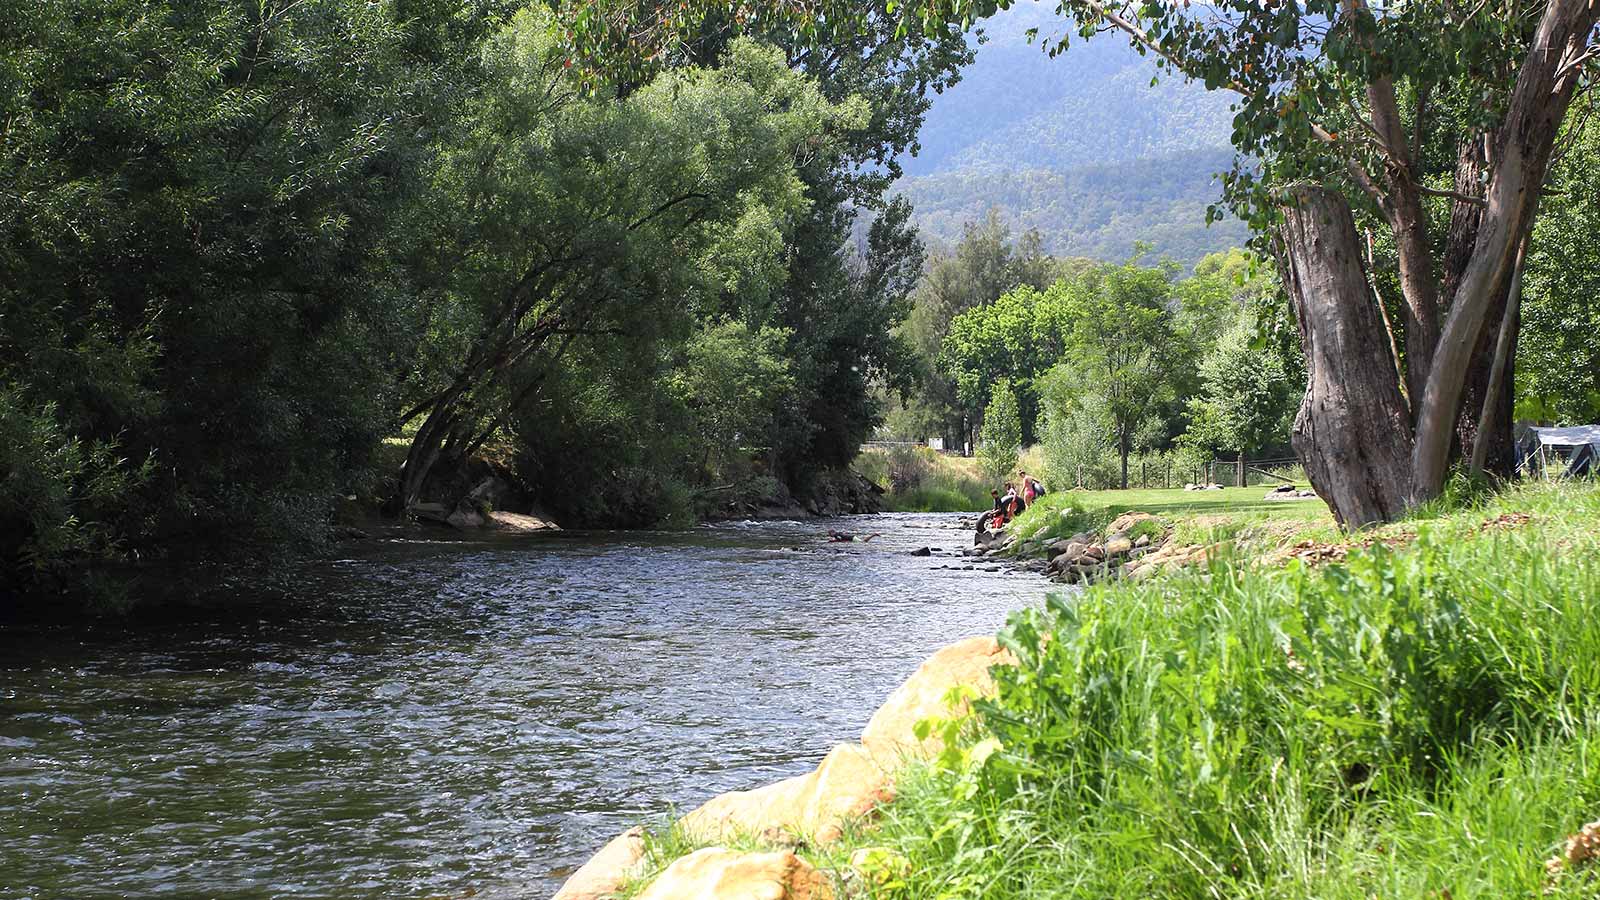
[[1574, 448], [1568, 438]]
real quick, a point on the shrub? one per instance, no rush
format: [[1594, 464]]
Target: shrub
[[908, 467], [1002, 432]]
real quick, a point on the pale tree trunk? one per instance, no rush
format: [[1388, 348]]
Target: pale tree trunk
[[1353, 431], [1484, 426], [1497, 394], [1401, 204], [1519, 161], [1495, 449]]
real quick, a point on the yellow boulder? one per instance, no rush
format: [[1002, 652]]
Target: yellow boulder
[[890, 735], [718, 874], [817, 805], [605, 872]]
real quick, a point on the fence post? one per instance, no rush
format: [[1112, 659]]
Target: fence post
[[1238, 480]]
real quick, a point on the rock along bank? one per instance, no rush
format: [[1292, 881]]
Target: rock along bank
[[815, 808]]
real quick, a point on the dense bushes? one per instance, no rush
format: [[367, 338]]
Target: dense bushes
[[243, 244], [201, 301]]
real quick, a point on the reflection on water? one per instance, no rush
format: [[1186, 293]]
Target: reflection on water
[[444, 719]]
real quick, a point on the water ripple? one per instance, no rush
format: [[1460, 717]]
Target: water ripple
[[437, 718]]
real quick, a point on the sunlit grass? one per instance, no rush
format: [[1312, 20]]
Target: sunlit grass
[[1415, 721], [1412, 723]]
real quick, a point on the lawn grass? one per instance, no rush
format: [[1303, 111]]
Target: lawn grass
[[1179, 502], [1235, 515], [1417, 720]]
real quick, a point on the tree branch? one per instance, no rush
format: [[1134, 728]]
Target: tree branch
[[664, 208], [1453, 195]]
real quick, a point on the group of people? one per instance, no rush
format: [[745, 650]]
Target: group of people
[[1018, 496]]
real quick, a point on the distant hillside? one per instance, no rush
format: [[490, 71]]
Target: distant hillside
[[1081, 147]]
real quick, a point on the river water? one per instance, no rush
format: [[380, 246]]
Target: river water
[[435, 719]]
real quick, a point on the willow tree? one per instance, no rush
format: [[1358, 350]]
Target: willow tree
[[569, 214], [1339, 101]]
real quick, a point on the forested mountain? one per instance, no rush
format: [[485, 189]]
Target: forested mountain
[[1081, 147]]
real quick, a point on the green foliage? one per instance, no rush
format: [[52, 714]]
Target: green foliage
[[242, 244], [943, 494], [1078, 450], [1247, 397], [1002, 432], [733, 381], [1558, 348], [1014, 338], [986, 264], [199, 234], [1125, 353], [665, 202], [917, 479], [1405, 723], [57, 493], [1060, 514], [842, 309]]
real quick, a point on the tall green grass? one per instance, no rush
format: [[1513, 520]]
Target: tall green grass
[[1420, 723], [923, 480]]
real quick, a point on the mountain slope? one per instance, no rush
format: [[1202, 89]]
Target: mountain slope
[[1082, 147]]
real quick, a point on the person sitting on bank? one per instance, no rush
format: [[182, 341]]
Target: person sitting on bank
[[993, 515]]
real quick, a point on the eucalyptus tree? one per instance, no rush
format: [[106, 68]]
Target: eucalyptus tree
[[1336, 99], [1120, 333]]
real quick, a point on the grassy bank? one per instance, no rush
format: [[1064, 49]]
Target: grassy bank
[[1413, 716], [1238, 518], [917, 479]]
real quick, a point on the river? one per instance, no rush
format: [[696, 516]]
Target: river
[[434, 718]]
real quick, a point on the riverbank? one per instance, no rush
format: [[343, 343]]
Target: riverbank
[[1086, 536], [918, 479], [1404, 712]]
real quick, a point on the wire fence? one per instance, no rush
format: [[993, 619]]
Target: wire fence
[[1257, 472]]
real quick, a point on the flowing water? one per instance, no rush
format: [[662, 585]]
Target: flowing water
[[451, 719]]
